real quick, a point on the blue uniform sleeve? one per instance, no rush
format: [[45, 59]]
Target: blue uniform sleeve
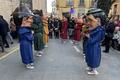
[[96, 36]]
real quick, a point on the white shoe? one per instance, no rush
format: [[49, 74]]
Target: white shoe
[[29, 66], [93, 72], [39, 54], [46, 46], [88, 69], [32, 64], [83, 54]]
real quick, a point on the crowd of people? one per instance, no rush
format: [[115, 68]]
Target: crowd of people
[[30, 27], [44, 27], [67, 28], [112, 37]]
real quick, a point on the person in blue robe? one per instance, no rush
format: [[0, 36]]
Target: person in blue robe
[[92, 47], [25, 39], [26, 36]]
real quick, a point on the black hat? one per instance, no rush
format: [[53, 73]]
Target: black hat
[[98, 13], [24, 11]]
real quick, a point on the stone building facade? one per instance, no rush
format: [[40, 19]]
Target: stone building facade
[[40, 4], [79, 7], [7, 7]]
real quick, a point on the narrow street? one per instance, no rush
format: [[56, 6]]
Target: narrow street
[[59, 62]]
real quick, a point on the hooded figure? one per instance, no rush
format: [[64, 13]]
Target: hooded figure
[[95, 36], [25, 36], [38, 35]]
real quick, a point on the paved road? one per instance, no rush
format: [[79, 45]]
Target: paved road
[[59, 62]]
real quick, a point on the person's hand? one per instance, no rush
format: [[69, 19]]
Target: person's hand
[[56, 28], [82, 33], [87, 35], [51, 30]]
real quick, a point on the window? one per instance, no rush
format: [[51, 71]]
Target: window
[[81, 3], [69, 2]]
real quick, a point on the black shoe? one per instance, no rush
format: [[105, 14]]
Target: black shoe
[[3, 50], [105, 51], [6, 46], [11, 42]]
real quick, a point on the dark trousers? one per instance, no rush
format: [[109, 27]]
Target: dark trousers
[[56, 34], [5, 40], [14, 35], [50, 35], [71, 33], [108, 41], [1, 44], [115, 44]]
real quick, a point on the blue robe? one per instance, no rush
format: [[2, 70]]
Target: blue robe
[[92, 47], [26, 38]]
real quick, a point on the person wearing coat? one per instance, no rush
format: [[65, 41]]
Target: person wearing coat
[[56, 28], [37, 27], [92, 47], [46, 31], [77, 30], [64, 30], [71, 28], [26, 37], [109, 35], [50, 27], [4, 30]]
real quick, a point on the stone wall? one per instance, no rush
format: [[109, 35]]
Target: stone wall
[[40, 4], [7, 7]]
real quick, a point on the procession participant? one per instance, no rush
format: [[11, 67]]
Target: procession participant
[[26, 37], [77, 31], [95, 36], [37, 27], [64, 30], [46, 31]]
